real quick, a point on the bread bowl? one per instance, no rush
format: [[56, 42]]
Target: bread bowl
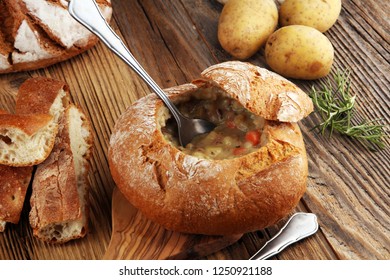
[[189, 192], [39, 33], [14, 182]]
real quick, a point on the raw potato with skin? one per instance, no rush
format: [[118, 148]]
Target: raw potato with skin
[[320, 14], [299, 52], [244, 26], [189, 194]]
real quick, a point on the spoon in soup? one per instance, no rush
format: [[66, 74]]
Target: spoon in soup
[[88, 14]]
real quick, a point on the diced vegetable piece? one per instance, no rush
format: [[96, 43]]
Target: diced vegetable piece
[[253, 136], [238, 151], [230, 124]]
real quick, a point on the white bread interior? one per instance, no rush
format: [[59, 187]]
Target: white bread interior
[[57, 109], [2, 225], [19, 146]]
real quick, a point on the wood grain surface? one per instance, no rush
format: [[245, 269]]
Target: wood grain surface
[[134, 237], [348, 186]]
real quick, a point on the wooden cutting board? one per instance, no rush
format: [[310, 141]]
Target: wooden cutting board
[[135, 237]]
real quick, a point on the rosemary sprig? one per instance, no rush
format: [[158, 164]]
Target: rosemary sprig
[[336, 106]]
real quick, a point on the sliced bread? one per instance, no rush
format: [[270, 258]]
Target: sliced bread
[[26, 140], [59, 201]]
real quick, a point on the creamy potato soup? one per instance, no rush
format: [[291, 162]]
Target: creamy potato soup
[[238, 131]]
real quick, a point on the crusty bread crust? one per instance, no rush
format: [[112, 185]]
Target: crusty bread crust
[[267, 94], [31, 38], [14, 182], [218, 197], [28, 124], [41, 95]]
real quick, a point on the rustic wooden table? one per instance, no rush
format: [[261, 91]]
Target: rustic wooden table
[[348, 186]]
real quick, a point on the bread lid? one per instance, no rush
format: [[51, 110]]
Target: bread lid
[[263, 92]]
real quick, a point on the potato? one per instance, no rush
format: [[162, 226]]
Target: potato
[[320, 14], [300, 52], [244, 26]]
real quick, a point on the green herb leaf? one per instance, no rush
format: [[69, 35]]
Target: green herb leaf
[[336, 107]]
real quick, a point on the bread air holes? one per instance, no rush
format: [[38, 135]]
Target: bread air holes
[[6, 140], [57, 232], [237, 133]]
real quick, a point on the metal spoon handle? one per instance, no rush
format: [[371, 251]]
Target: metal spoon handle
[[88, 14], [299, 226]]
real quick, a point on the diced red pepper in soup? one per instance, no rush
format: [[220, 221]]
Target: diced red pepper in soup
[[253, 136]]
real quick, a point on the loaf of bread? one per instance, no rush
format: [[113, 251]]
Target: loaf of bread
[[59, 200], [258, 180], [39, 33], [14, 182]]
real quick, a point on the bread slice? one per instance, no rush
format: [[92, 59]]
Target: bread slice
[[26, 140], [59, 201], [14, 182], [38, 99], [60, 187], [43, 95]]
